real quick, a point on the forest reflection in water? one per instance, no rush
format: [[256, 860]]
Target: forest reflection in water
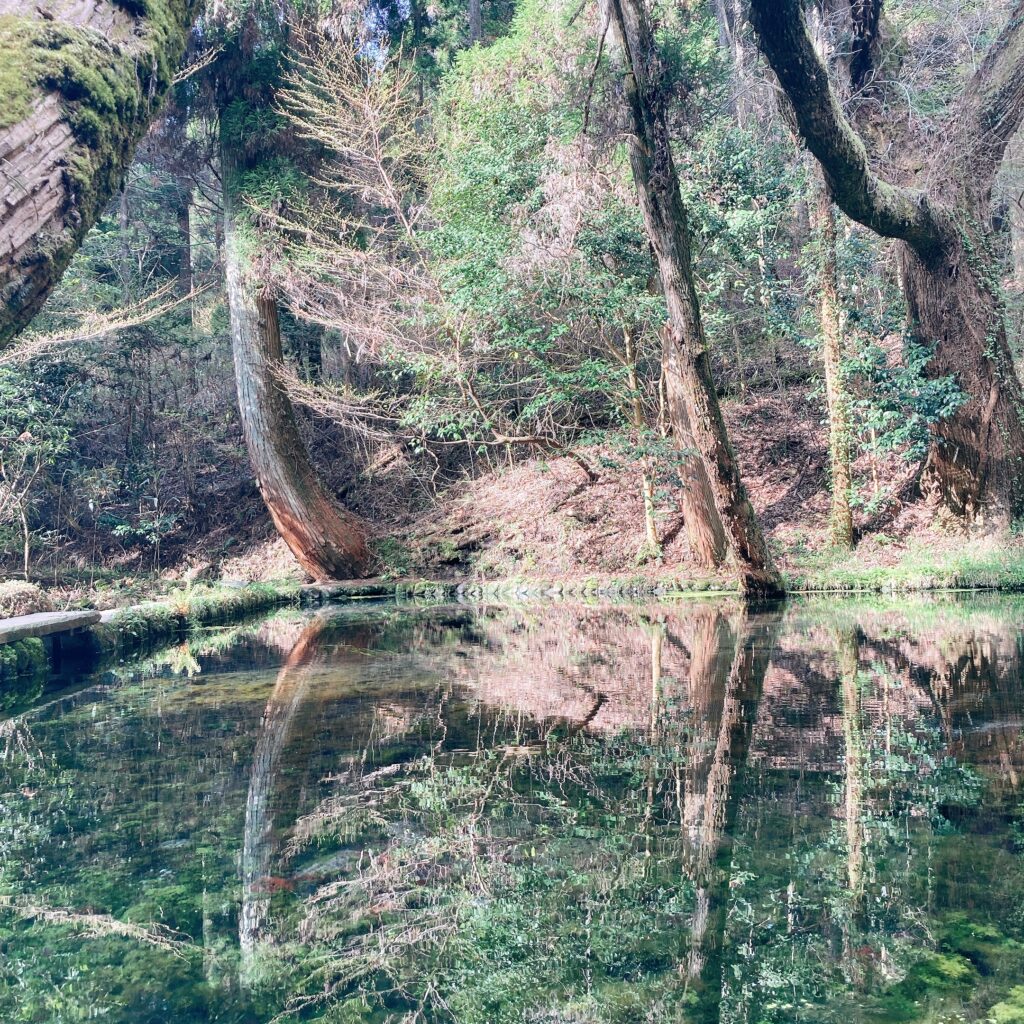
[[693, 812]]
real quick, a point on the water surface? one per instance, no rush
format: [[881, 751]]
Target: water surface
[[562, 813]]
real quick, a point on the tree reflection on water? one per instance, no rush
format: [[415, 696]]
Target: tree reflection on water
[[698, 812]]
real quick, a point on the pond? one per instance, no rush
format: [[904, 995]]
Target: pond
[[557, 813]]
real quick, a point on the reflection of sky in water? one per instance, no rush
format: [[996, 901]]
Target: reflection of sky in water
[[557, 813]]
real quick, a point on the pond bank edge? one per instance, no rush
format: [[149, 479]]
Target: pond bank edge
[[139, 627]]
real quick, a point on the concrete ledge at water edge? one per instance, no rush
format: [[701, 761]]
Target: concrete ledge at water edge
[[40, 624]]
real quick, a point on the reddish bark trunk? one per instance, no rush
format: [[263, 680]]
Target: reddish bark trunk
[[327, 541]]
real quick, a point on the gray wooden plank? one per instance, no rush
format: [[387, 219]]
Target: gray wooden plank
[[44, 624]]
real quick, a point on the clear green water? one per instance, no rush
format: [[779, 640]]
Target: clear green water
[[565, 813]]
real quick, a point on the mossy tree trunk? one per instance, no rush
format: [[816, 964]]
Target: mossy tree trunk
[[328, 542], [836, 394], [476, 22], [665, 218], [976, 460], [79, 86], [848, 655]]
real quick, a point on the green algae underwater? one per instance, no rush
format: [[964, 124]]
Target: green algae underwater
[[687, 812]]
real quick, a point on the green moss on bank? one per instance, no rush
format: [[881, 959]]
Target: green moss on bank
[[143, 626]]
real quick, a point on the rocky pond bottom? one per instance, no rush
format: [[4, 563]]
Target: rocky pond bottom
[[553, 813]]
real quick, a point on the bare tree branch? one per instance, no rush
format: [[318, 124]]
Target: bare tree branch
[[993, 105]]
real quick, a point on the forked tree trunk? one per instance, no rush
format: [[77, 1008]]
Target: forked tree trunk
[[83, 83], [665, 218], [837, 398], [328, 542], [976, 460]]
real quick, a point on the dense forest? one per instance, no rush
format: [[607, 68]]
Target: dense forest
[[707, 289]]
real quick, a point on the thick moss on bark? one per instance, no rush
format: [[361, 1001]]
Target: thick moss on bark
[[74, 101]]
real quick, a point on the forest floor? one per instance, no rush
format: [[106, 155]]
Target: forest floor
[[541, 519]]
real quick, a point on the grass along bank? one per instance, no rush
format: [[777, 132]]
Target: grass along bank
[[968, 565]]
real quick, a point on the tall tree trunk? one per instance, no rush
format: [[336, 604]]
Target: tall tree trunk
[[665, 217], [124, 225], [328, 542], [976, 460], [85, 81], [476, 22], [651, 548], [749, 93], [837, 398], [185, 234]]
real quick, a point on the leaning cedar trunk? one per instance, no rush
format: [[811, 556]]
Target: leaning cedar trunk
[[84, 82], [713, 781], [665, 218], [259, 834], [837, 399], [327, 541], [704, 530]]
